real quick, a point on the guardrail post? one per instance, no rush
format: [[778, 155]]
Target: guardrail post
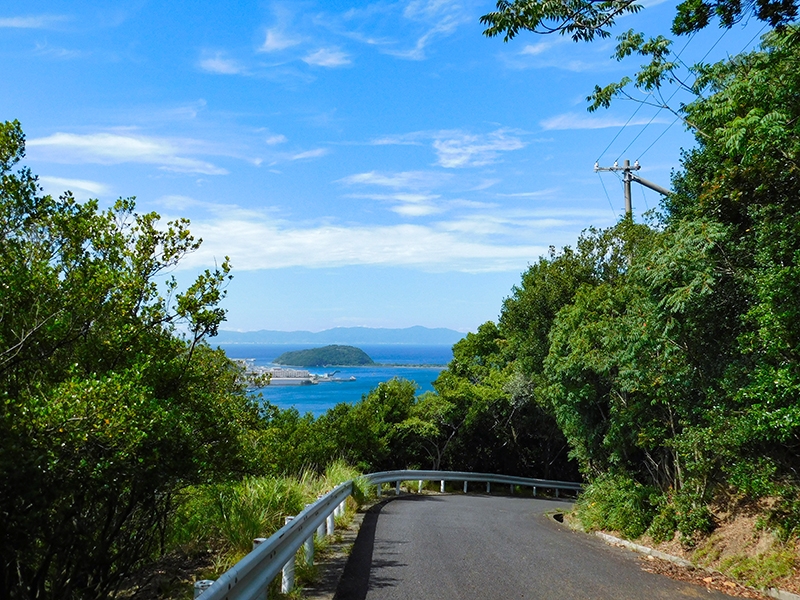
[[287, 574], [265, 592], [488, 487], [380, 492], [201, 586], [556, 492], [396, 488], [331, 524], [441, 487], [321, 530], [534, 491], [465, 487], [419, 486], [308, 551], [511, 488]]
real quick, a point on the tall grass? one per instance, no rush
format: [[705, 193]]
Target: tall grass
[[225, 518]]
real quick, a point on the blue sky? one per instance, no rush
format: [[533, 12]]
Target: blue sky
[[375, 164]]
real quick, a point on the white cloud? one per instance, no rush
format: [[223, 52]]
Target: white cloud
[[407, 204], [221, 65], [327, 57], [112, 148], [275, 139], [404, 179], [468, 150], [441, 18], [536, 194], [539, 48], [276, 40], [416, 210], [31, 22], [456, 148], [578, 121], [44, 49], [81, 188], [256, 245], [316, 153]]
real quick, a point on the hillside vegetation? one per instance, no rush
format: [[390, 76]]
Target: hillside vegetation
[[327, 356]]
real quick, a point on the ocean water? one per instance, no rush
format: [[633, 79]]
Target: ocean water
[[392, 361]]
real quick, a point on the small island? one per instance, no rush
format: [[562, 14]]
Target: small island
[[327, 356]]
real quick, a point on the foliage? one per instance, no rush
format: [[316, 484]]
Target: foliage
[[584, 20], [671, 354], [106, 411], [616, 503], [228, 516]]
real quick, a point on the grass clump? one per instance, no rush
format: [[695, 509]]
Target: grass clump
[[762, 570], [225, 518]]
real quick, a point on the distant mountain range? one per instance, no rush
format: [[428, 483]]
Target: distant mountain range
[[422, 336]]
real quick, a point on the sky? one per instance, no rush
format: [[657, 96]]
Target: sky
[[378, 164]]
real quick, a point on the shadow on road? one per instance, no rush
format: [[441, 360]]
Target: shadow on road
[[355, 581]]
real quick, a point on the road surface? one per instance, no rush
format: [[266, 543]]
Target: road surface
[[456, 547]]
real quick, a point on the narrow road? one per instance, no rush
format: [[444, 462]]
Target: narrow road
[[454, 547]]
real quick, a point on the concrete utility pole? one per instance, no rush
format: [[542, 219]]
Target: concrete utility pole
[[629, 176]]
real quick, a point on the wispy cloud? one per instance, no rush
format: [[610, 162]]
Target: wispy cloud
[[407, 204], [403, 180], [275, 139], [277, 39], [439, 17], [579, 121], [327, 57], [221, 65], [256, 245], [32, 21], [468, 150], [44, 49], [541, 47], [113, 148], [81, 188], [316, 153], [536, 194], [457, 148]]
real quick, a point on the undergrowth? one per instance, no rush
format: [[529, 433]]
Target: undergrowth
[[225, 518]]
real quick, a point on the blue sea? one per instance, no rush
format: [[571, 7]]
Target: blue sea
[[392, 361]]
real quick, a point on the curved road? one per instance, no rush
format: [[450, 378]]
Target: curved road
[[454, 547]]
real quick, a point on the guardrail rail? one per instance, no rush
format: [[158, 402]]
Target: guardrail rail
[[250, 577]]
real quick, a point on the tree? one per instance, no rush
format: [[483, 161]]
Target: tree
[[106, 410], [584, 20]]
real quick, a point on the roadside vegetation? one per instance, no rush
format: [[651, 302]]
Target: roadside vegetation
[[657, 361]]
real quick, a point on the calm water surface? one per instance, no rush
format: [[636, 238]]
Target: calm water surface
[[393, 361]]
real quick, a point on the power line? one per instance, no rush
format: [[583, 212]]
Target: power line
[[658, 138], [621, 129], [667, 101], [607, 196], [638, 108]]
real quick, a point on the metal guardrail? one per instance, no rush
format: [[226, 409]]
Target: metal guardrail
[[249, 578], [466, 476]]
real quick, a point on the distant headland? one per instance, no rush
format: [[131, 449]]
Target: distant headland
[[354, 336], [327, 356]]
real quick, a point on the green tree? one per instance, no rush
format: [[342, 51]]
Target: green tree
[[105, 409]]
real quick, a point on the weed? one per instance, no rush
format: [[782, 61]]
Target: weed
[[762, 570]]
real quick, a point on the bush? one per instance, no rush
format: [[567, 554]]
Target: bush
[[618, 503]]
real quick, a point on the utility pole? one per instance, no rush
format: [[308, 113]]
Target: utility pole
[[627, 176]]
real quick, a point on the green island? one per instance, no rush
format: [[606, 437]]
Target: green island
[[327, 356]]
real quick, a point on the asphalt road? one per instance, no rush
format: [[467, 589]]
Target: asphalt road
[[455, 547]]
